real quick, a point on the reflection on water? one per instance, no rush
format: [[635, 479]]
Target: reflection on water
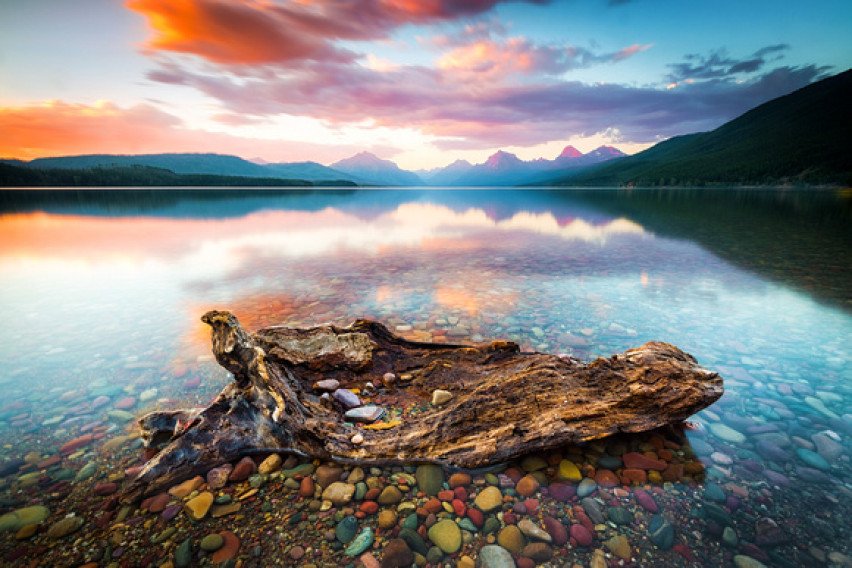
[[102, 293]]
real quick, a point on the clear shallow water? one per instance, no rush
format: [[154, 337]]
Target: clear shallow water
[[102, 294]]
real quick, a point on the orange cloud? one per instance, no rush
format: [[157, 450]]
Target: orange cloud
[[233, 32], [59, 128], [249, 32]]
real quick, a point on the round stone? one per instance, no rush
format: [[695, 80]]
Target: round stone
[[20, 518], [568, 471], [387, 519], [64, 527], [493, 556], [587, 487], [346, 529], [661, 532], [511, 538], [527, 486], [532, 530], [390, 495], [430, 478], [489, 499], [446, 535], [339, 493], [727, 433], [212, 542]]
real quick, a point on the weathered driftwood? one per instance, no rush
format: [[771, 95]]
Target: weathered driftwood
[[505, 402]]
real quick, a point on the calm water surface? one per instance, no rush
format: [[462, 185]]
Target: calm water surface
[[101, 295]]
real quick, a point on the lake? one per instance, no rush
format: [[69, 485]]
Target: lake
[[102, 292]]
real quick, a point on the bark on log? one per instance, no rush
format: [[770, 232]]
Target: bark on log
[[505, 403]]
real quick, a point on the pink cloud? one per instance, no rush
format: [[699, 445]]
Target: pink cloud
[[630, 51], [487, 57], [59, 128]]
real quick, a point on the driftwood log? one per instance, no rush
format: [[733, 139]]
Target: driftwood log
[[505, 403]]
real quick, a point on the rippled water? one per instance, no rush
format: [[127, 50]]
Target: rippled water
[[102, 293]]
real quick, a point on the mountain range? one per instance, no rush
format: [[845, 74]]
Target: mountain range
[[506, 169], [364, 168], [799, 138]]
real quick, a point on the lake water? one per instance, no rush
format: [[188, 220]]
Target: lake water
[[102, 292]]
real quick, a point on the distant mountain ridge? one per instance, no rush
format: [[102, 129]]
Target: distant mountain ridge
[[500, 169], [799, 138], [506, 169], [376, 171]]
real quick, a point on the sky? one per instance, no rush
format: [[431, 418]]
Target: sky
[[421, 82]]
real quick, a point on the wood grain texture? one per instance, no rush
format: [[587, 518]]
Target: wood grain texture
[[506, 403]]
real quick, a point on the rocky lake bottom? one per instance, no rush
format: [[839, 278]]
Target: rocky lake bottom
[[95, 338]]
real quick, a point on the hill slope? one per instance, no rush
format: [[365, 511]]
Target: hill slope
[[136, 176], [212, 164], [798, 138]]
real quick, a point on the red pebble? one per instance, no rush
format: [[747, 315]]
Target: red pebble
[[51, 461], [306, 487], [523, 562], [509, 518], [532, 506], [562, 491], [372, 494], [458, 507], [433, 505], [126, 403], [556, 530], [104, 489], [635, 460], [684, 551], [243, 470], [645, 500], [446, 495], [582, 535], [634, 476], [76, 443], [157, 503], [459, 479], [606, 478], [476, 516], [369, 507], [514, 474], [460, 493]]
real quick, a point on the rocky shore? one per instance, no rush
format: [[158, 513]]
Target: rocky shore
[[638, 500]]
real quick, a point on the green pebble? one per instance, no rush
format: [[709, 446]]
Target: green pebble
[[492, 525], [301, 469], [410, 522], [360, 490], [183, 554], [212, 542], [361, 543], [434, 555]]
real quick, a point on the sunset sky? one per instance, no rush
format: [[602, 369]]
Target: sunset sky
[[420, 82]]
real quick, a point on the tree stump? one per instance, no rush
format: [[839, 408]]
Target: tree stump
[[503, 402]]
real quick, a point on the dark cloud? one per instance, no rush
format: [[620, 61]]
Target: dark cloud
[[719, 64]]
